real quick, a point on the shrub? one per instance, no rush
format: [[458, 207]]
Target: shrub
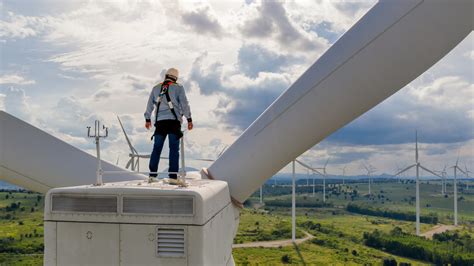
[[286, 259], [389, 262]]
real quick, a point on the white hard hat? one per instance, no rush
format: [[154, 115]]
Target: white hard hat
[[172, 72]]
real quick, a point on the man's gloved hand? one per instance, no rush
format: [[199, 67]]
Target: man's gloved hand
[[148, 125], [190, 125]]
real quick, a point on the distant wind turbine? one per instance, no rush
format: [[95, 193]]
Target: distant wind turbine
[[467, 176], [343, 174], [134, 162], [324, 179], [370, 170], [418, 166], [443, 174], [456, 168], [313, 170]]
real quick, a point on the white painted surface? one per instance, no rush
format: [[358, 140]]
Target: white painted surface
[[87, 244], [391, 45], [98, 238]]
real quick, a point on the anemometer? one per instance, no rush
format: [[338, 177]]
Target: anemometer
[[97, 136]]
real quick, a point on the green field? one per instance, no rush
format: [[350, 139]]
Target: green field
[[21, 230], [338, 237]]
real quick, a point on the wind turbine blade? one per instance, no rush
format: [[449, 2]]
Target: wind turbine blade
[[222, 151], [303, 164], [416, 146], [327, 161], [308, 167], [429, 171], [406, 169], [462, 171], [129, 163], [365, 167], [201, 159], [126, 136]]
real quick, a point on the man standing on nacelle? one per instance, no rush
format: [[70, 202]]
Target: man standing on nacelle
[[171, 104]]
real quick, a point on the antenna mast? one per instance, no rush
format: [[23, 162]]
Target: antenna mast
[[97, 137]]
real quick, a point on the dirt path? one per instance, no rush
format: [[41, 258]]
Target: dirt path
[[275, 243], [440, 228]]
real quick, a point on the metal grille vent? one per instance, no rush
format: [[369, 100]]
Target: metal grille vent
[[171, 242], [159, 205], [73, 203]]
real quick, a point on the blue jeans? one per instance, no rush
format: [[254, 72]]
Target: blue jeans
[[173, 140]]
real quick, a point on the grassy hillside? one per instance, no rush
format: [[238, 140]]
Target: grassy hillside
[[339, 234]]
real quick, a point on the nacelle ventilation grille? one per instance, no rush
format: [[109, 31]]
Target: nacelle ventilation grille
[[159, 205], [74, 203], [171, 242]]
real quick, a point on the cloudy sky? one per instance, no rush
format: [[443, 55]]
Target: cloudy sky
[[66, 63]]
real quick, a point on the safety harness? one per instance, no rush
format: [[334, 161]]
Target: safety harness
[[164, 92]]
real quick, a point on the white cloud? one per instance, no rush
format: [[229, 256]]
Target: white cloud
[[16, 103], [15, 79], [470, 55], [2, 102], [115, 51], [449, 92], [18, 27]]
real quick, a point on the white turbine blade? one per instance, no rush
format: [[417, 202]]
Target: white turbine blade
[[222, 151], [126, 136], [429, 171], [365, 167], [44, 161], [201, 159], [461, 170], [129, 163], [327, 161], [406, 169], [467, 171], [309, 167], [327, 97], [416, 146]]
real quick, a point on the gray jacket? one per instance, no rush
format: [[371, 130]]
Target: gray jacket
[[178, 98]]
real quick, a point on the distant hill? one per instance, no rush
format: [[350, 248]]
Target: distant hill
[[7, 186]]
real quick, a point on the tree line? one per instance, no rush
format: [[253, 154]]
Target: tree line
[[443, 250], [431, 218]]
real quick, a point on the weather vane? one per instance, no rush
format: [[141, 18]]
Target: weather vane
[[97, 136]]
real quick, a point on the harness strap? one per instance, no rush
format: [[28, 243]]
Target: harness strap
[[164, 91]]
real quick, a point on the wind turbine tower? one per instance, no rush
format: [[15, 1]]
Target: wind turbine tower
[[293, 203], [324, 174], [456, 168], [370, 170], [467, 176], [418, 166], [443, 180], [343, 174]]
